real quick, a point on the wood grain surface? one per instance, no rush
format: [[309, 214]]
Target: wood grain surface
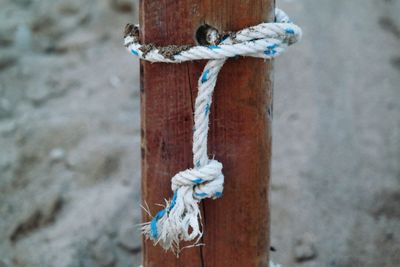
[[236, 227]]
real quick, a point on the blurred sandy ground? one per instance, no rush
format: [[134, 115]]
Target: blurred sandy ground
[[69, 135]]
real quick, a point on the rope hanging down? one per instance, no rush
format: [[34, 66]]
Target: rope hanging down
[[180, 219]]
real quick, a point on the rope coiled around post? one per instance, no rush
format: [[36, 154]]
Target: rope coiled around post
[[180, 219]]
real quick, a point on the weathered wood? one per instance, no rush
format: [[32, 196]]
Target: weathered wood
[[236, 227]]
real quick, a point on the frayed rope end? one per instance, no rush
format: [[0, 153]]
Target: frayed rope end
[[178, 221]]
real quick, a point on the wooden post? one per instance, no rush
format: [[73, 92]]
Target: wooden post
[[236, 226]]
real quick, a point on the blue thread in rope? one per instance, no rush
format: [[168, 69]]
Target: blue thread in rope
[[270, 52], [207, 109], [289, 31], [272, 46], [198, 181], [153, 223], [160, 214], [200, 194], [218, 194], [204, 76], [135, 52]]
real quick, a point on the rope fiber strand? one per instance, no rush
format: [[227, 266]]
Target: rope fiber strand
[[180, 220]]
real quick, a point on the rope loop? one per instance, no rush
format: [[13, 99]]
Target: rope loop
[[180, 220], [265, 40]]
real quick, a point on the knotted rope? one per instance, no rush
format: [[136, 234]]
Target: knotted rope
[[180, 219]]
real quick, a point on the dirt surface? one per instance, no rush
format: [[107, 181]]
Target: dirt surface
[[336, 137], [70, 136]]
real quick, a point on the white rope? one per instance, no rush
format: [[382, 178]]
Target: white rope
[[180, 219]]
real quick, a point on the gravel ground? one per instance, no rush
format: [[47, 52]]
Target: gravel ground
[[336, 149], [70, 135]]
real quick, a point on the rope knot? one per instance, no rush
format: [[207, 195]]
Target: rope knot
[[207, 181]]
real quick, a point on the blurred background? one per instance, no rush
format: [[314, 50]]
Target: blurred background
[[70, 135]]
